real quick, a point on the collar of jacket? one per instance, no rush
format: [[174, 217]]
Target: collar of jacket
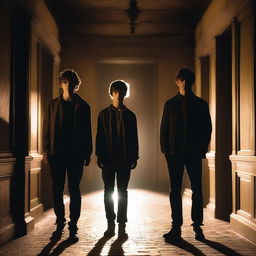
[[112, 108], [180, 96], [76, 99]]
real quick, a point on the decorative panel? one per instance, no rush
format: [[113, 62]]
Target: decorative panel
[[34, 187], [4, 197], [5, 64], [247, 109], [244, 193]]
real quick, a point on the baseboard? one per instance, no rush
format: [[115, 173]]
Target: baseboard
[[244, 227], [7, 233], [37, 211], [30, 222]]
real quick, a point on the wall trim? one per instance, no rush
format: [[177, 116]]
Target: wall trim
[[243, 226]]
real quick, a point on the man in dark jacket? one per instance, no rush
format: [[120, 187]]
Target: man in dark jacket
[[184, 136], [117, 154], [67, 146]]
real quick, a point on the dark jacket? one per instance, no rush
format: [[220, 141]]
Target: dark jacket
[[81, 137], [104, 136], [198, 126]]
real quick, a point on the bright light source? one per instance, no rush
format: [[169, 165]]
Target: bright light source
[[115, 199], [128, 90]]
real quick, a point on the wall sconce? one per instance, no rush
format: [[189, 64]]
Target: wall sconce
[[133, 13]]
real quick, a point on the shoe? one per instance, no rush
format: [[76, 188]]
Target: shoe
[[57, 234], [173, 234], [199, 235], [110, 230], [121, 231], [73, 236], [72, 232]]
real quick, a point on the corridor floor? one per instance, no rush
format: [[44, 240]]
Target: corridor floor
[[149, 218]]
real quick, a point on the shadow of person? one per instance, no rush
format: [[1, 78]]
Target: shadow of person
[[46, 250], [186, 246], [116, 247], [220, 247], [96, 250], [62, 246]]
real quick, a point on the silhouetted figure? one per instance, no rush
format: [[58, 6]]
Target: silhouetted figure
[[117, 154], [185, 135], [67, 146]]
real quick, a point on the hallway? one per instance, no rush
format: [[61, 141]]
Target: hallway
[[148, 215]]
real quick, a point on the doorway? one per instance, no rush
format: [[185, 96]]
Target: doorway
[[142, 101], [46, 94], [223, 181]]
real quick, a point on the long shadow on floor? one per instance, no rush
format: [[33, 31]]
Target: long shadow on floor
[[116, 247], [221, 248], [57, 250], [46, 250], [96, 250], [61, 247], [186, 246], [183, 244]]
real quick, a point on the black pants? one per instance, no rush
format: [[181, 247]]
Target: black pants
[[176, 166], [74, 172], [122, 175]]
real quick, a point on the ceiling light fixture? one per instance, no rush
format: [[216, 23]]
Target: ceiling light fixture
[[133, 12]]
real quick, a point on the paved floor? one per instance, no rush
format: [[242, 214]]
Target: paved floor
[[149, 217]]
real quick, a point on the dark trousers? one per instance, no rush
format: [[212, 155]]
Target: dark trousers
[[74, 172], [176, 166], [122, 175]]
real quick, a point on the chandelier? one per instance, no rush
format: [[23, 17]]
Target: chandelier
[[133, 12]]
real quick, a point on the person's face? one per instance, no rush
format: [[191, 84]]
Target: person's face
[[181, 83], [118, 96], [66, 87]]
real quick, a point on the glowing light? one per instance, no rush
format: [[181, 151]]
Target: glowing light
[[128, 88], [115, 199]]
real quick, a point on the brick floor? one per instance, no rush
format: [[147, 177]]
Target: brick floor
[[149, 218]]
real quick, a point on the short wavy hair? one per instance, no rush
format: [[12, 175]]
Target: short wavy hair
[[187, 75], [118, 85], [72, 77]]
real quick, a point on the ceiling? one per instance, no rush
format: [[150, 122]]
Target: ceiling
[[171, 18]]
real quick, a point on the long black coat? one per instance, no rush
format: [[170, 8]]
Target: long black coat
[[104, 136], [198, 127], [81, 134]]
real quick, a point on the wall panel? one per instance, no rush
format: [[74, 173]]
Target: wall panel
[[247, 112]]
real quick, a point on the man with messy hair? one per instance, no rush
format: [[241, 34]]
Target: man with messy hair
[[117, 154], [67, 146], [185, 134]]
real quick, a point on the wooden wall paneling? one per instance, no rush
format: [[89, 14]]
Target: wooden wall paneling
[[20, 66], [245, 204], [247, 112], [35, 205], [223, 125], [5, 88], [204, 90], [235, 87], [7, 226], [244, 176], [46, 77]]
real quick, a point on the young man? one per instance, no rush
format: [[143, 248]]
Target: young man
[[67, 146], [117, 154], [184, 136]]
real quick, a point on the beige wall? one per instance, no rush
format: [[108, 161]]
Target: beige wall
[[166, 58]]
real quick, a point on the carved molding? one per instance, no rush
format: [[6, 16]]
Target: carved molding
[[213, 24]]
